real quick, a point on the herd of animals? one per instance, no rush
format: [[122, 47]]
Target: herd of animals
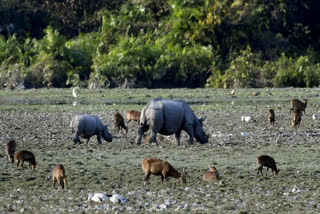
[[162, 116]]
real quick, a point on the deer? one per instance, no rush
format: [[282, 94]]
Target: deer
[[267, 161], [271, 117], [158, 167], [212, 174]]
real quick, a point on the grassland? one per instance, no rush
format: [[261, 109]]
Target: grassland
[[39, 121]]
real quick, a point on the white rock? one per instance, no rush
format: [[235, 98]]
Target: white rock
[[164, 206], [244, 134], [295, 189], [187, 188], [179, 207]]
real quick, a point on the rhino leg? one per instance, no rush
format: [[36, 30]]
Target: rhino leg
[[99, 138], [88, 140], [189, 130], [76, 138], [153, 137], [178, 134], [142, 129]]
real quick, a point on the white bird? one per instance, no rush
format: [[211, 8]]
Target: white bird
[[97, 197], [117, 199], [75, 91], [247, 119], [314, 117]]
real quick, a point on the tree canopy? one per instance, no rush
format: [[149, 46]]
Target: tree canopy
[[150, 43]]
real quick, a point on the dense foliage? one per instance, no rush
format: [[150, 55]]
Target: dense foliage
[[150, 43]]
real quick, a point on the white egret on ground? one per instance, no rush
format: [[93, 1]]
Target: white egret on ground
[[97, 197]]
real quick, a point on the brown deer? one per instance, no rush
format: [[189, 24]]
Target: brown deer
[[297, 104], [297, 115], [211, 175], [119, 123], [161, 168], [58, 174], [267, 161], [146, 138], [10, 150], [271, 117], [25, 155], [133, 115]]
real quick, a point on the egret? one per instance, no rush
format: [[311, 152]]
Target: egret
[[118, 199], [74, 92], [314, 117], [97, 197]]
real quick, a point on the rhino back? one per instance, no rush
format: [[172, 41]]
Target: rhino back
[[174, 115], [165, 115], [85, 124]]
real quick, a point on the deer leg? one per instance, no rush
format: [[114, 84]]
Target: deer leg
[[64, 182], [259, 170], [146, 177], [54, 183], [162, 179]]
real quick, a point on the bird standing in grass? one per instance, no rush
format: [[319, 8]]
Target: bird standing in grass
[[75, 94]]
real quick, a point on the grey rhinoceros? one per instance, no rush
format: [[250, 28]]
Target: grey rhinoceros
[[170, 117], [86, 126]]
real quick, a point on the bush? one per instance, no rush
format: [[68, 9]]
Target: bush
[[299, 72], [48, 72]]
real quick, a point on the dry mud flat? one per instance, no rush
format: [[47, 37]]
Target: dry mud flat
[[39, 121]]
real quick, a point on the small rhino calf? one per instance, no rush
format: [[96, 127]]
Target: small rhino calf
[[10, 150], [271, 117], [161, 168], [58, 174], [25, 155], [119, 123], [269, 162], [211, 175]]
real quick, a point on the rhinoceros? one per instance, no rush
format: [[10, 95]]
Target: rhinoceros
[[170, 117], [86, 126]]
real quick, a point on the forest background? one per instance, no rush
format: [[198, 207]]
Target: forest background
[[166, 44]]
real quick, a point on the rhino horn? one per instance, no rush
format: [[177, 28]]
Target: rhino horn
[[202, 119]]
